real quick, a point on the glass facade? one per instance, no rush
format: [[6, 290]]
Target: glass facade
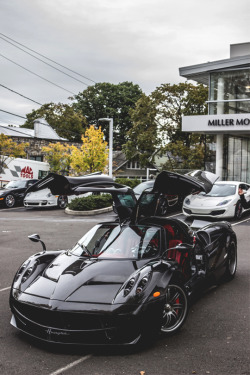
[[237, 158], [230, 94]]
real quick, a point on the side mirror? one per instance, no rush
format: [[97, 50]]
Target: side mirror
[[36, 238]]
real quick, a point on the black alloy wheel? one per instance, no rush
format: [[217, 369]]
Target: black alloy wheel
[[9, 200], [62, 201], [175, 309], [238, 211], [231, 266]]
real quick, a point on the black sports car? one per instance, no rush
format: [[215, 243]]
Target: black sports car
[[125, 280], [14, 191]]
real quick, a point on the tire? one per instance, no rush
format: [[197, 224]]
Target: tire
[[175, 309], [62, 201], [231, 265], [9, 201], [238, 211]]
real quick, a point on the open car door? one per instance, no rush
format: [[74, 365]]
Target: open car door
[[123, 196], [167, 184]]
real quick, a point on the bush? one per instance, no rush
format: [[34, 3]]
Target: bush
[[131, 182], [92, 202]]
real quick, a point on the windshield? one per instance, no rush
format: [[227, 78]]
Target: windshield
[[222, 190], [114, 241], [16, 184], [141, 187]]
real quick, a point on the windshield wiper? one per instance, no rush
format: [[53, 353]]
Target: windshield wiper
[[85, 249]]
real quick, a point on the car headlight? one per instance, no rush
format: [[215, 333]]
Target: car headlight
[[27, 195], [29, 272], [49, 195], [187, 201], [137, 283], [226, 201]]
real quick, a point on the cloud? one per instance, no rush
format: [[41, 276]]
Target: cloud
[[144, 42]]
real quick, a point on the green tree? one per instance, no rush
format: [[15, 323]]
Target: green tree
[[106, 100], [67, 122], [157, 121], [143, 136], [10, 149], [93, 154], [58, 156]]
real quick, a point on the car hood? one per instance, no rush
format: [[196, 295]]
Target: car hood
[[38, 194], [72, 279], [199, 201]]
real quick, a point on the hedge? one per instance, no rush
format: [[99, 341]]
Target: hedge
[[92, 202], [131, 182]]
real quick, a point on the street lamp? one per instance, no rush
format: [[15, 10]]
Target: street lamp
[[110, 120]]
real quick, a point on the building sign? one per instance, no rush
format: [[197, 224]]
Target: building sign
[[26, 172], [217, 123]]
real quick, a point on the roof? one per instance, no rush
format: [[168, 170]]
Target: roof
[[41, 130], [200, 72]]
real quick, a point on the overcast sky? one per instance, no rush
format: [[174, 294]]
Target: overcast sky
[[140, 41]]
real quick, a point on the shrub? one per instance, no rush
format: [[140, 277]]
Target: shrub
[[131, 182], [92, 202]]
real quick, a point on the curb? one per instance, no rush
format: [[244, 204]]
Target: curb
[[88, 213]]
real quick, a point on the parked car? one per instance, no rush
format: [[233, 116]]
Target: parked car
[[14, 191], [126, 280], [222, 201], [44, 198]]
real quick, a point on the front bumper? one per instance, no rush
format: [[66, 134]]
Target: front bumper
[[43, 203], [90, 327], [209, 212]]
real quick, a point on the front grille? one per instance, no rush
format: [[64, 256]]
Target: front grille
[[219, 212], [76, 327], [189, 212], [59, 319]]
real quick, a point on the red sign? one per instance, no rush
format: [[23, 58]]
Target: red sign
[[27, 172]]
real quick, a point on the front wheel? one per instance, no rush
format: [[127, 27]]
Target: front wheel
[[62, 201], [175, 309], [238, 211], [9, 201]]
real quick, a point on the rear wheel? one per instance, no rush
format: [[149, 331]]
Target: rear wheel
[[238, 211], [9, 201], [231, 266], [62, 201], [175, 309]]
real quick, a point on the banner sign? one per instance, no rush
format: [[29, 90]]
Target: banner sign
[[217, 123]]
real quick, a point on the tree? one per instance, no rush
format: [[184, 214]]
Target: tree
[[93, 154], [106, 100], [157, 123], [10, 149], [58, 156], [143, 136], [67, 122]]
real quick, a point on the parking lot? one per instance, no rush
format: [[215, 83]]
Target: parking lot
[[214, 339]]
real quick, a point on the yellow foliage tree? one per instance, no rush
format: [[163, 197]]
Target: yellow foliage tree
[[58, 156], [93, 154], [10, 149]]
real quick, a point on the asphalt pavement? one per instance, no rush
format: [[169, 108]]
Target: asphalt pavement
[[214, 339]]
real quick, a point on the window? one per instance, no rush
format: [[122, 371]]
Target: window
[[133, 165], [230, 92]]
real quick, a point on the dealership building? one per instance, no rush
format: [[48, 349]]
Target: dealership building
[[228, 110]]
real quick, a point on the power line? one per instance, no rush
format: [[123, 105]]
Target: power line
[[20, 94], [48, 58], [13, 114], [36, 74], [59, 70]]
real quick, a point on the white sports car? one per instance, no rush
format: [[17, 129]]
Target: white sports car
[[222, 201]]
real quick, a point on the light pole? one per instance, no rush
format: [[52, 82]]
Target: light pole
[[110, 120]]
